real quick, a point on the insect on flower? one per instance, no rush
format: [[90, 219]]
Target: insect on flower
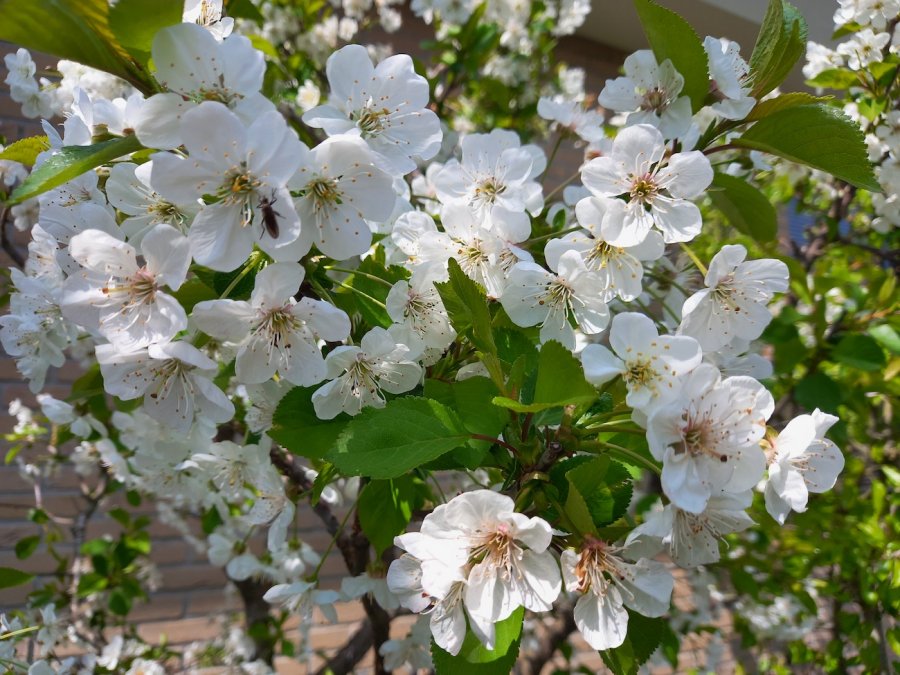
[[269, 216]]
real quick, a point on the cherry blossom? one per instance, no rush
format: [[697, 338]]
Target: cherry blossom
[[606, 584], [733, 304], [174, 379], [385, 105], [650, 93], [693, 538], [193, 66], [245, 168], [535, 296], [275, 332], [708, 439], [649, 363], [655, 189], [359, 375], [121, 299], [801, 461], [340, 188]]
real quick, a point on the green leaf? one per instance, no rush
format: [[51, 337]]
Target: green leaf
[[773, 105], [644, 636], [471, 398], [372, 312], [26, 150], [746, 208], [296, 427], [136, 22], [385, 507], [26, 546], [859, 351], [671, 37], [834, 78], [781, 42], [77, 30], [466, 304], [475, 659], [819, 136], [817, 390], [10, 577], [606, 488], [193, 291], [120, 602], [243, 9], [577, 509], [887, 337], [560, 382], [70, 162], [388, 442]]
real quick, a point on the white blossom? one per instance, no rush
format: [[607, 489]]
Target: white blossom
[[650, 93], [385, 105], [708, 439], [733, 304], [802, 461], [173, 378], [650, 364], [246, 168], [120, 298], [359, 375], [656, 189], [275, 332], [533, 296], [607, 583]]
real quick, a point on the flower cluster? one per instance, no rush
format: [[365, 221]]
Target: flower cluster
[[253, 268]]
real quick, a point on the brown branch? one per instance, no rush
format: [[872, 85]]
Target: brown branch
[[6, 244], [350, 654], [551, 640], [256, 613], [354, 547]]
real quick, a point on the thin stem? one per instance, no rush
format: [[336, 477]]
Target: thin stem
[[559, 140], [21, 631], [550, 235], [631, 454], [720, 148], [694, 258], [497, 441], [562, 185], [361, 274], [234, 282], [365, 295], [334, 538]]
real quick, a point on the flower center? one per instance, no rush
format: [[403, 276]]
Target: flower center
[[643, 188], [656, 99], [640, 373], [596, 567], [165, 212], [602, 253], [488, 190], [277, 325], [362, 376], [558, 294], [698, 439], [419, 310], [371, 121], [140, 288], [324, 193], [237, 188], [471, 256], [500, 549]]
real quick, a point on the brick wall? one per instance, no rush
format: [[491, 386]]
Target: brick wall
[[190, 598]]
